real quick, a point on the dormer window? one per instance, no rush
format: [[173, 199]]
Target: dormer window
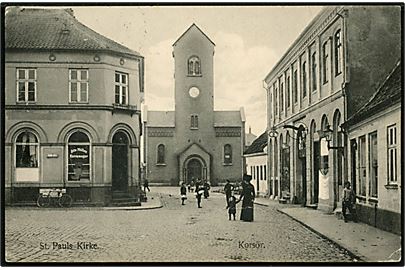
[[194, 66]]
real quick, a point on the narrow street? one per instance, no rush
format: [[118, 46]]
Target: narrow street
[[171, 233]]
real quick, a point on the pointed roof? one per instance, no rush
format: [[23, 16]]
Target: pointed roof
[[388, 94], [55, 29], [257, 145], [193, 26]]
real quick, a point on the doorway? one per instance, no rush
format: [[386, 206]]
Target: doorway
[[316, 156], [120, 162], [194, 170]]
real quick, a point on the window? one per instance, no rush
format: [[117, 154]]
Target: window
[[392, 154], [78, 85], [26, 85], [373, 165], [257, 172], [276, 99], [304, 79], [227, 154], [79, 157], [194, 66], [282, 96], [313, 71], [26, 153], [295, 86], [265, 172], [338, 53], [252, 169], [121, 88], [287, 92], [325, 62], [194, 121], [362, 167], [261, 172], [161, 154]]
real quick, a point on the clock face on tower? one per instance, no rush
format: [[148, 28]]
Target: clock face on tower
[[194, 92]]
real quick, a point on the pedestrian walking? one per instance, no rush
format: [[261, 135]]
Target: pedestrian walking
[[348, 202], [232, 207], [228, 188], [146, 185], [199, 191], [183, 193], [248, 196], [206, 189]]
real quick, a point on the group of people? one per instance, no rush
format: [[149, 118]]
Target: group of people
[[247, 196], [201, 189]]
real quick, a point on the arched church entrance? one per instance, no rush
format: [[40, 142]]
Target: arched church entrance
[[194, 168]]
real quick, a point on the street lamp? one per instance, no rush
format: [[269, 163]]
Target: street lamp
[[272, 133], [327, 133]]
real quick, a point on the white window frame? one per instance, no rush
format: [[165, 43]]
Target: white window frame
[[26, 81], [392, 146], [121, 85], [371, 166], [78, 82]]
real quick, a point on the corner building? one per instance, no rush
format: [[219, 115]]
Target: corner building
[[72, 117], [194, 141], [327, 74]]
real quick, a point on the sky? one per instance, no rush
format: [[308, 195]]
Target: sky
[[249, 42]]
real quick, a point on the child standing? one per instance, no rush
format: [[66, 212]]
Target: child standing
[[348, 202], [232, 207], [183, 193]]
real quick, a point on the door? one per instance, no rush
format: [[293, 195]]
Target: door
[[304, 180], [120, 162], [315, 173], [194, 170]]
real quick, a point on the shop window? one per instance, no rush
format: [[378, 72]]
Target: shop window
[[27, 148], [194, 66], [362, 166], [78, 85], [324, 159], [121, 88], [79, 157], [392, 155], [161, 154], [338, 53], [373, 165], [26, 85], [265, 172], [227, 154]]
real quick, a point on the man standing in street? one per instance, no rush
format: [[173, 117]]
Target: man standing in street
[[146, 185], [199, 190], [228, 191]]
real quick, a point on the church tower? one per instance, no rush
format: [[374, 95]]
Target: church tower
[[193, 54]]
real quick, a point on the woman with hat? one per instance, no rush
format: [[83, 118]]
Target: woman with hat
[[248, 196]]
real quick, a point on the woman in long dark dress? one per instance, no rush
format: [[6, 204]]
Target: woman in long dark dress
[[247, 196]]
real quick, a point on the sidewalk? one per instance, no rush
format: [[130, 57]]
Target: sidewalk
[[153, 202], [368, 243]]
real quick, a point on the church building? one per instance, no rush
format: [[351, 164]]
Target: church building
[[194, 141]]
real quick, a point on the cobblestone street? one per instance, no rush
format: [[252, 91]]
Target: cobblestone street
[[171, 233]]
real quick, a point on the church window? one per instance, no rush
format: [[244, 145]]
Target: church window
[[194, 66], [161, 154], [194, 121], [227, 154]]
